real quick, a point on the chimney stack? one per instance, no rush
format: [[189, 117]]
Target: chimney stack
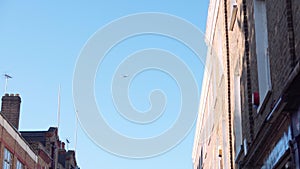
[[63, 146], [10, 108]]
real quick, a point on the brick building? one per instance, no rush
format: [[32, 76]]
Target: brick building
[[210, 137], [29, 149], [49, 141], [269, 83], [15, 152], [260, 53], [219, 118]]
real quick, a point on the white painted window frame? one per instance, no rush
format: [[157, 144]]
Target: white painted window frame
[[262, 54], [7, 159], [237, 110]]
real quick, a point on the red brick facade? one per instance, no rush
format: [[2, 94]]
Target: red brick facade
[[11, 140], [29, 149]]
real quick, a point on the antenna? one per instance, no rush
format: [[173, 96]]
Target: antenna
[[76, 130], [68, 142], [58, 108], [6, 81]]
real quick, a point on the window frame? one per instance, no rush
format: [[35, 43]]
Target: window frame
[[7, 159], [237, 110], [19, 164], [262, 52]]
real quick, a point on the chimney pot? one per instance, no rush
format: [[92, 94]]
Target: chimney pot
[[59, 144], [63, 145]]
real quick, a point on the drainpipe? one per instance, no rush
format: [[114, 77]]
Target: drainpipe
[[228, 86], [290, 27], [248, 71]]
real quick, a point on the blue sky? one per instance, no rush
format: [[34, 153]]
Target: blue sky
[[39, 45]]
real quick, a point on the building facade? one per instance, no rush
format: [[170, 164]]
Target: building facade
[[30, 149], [15, 152], [211, 144], [48, 141], [270, 84], [259, 95]]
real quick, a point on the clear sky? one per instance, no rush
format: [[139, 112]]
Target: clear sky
[[39, 45]]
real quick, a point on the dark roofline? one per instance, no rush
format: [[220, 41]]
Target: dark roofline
[[41, 131]]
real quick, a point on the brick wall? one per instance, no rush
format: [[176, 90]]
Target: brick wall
[[18, 153], [10, 108], [11, 140], [280, 62], [279, 57], [296, 19]]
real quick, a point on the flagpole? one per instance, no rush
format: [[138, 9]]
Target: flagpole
[[76, 130], [58, 108]]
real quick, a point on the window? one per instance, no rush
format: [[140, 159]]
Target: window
[[200, 160], [220, 166], [225, 146], [19, 165], [237, 111], [220, 52], [219, 63], [233, 9], [263, 65], [7, 159]]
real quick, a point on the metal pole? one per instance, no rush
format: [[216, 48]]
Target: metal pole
[[58, 108], [76, 129]]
